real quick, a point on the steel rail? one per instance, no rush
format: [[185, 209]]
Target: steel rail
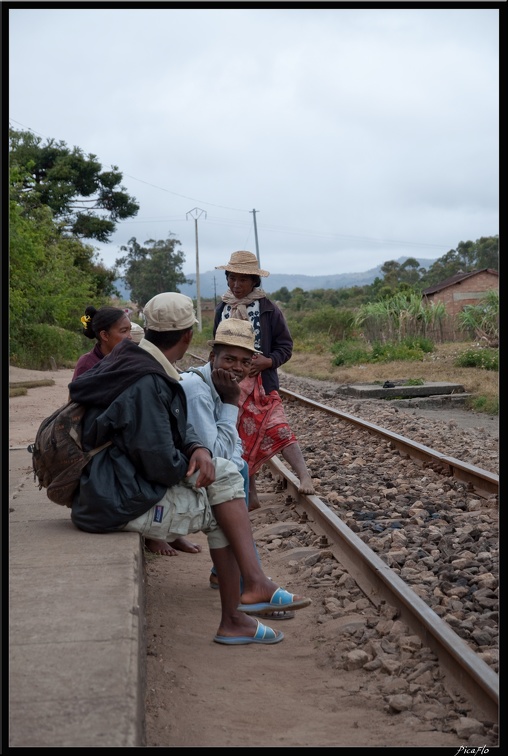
[[378, 582], [483, 482]]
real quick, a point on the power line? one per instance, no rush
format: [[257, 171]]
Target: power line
[[293, 231], [148, 183]]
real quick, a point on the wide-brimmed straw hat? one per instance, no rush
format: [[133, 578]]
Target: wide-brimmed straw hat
[[245, 263], [235, 332]]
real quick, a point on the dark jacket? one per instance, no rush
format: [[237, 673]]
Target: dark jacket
[[276, 341], [132, 401]]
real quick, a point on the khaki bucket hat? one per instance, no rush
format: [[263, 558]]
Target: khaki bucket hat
[[234, 332], [245, 263]]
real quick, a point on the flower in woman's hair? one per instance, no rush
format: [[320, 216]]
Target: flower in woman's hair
[[85, 319]]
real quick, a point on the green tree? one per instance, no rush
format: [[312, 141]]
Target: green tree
[[410, 271], [86, 201], [281, 295], [468, 256], [152, 269], [80, 255], [44, 284], [394, 274], [487, 252]]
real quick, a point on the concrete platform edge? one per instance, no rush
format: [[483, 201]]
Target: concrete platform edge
[[77, 628]]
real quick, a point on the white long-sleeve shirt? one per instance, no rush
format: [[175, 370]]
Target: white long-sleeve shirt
[[212, 421]]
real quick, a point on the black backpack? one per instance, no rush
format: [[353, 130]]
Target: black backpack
[[57, 456]]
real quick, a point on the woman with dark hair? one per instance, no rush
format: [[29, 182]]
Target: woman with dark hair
[[262, 424], [109, 326]]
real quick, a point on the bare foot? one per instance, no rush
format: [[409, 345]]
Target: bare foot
[[182, 544], [237, 625], [158, 546], [259, 598], [306, 486]]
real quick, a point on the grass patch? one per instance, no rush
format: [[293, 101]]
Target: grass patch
[[17, 391], [436, 366], [485, 404], [32, 384]]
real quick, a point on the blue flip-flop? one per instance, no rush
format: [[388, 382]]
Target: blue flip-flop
[[277, 614], [281, 599], [263, 634]]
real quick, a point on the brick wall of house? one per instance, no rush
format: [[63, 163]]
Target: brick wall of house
[[467, 292]]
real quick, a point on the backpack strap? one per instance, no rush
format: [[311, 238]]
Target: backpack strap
[[198, 372], [99, 448]]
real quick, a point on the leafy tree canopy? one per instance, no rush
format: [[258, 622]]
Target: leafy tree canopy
[[78, 254], [468, 256], [86, 200], [52, 277], [153, 268], [44, 285]]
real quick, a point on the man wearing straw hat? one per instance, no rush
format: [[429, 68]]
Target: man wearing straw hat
[[213, 393], [262, 423]]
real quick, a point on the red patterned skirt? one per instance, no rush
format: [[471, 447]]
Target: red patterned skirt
[[262, 424]]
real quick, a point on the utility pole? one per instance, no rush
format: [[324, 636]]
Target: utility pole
[[196, 213], [256, 234]]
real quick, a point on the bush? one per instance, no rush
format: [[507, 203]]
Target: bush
[[486, 359], [350, 353], [489, 406], [412, 348], [33, 346], [482, 320], [391, 352], [335, 323]]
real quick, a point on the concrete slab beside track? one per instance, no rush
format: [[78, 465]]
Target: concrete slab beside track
[[399, 390]]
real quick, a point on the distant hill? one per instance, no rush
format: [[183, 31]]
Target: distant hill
[[213, 282]]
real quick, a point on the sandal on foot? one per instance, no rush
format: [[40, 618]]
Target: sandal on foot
[[276, 615], [263, 634], [281, 599], [215, 585]]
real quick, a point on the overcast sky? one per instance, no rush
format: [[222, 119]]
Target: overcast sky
[[358, 135]]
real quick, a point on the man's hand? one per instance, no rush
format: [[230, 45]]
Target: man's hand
[[202, 461], [226, 385]]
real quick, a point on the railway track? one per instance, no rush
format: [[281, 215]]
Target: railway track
[[416, 529], [476, 680], [371, 571], [483, 482]]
